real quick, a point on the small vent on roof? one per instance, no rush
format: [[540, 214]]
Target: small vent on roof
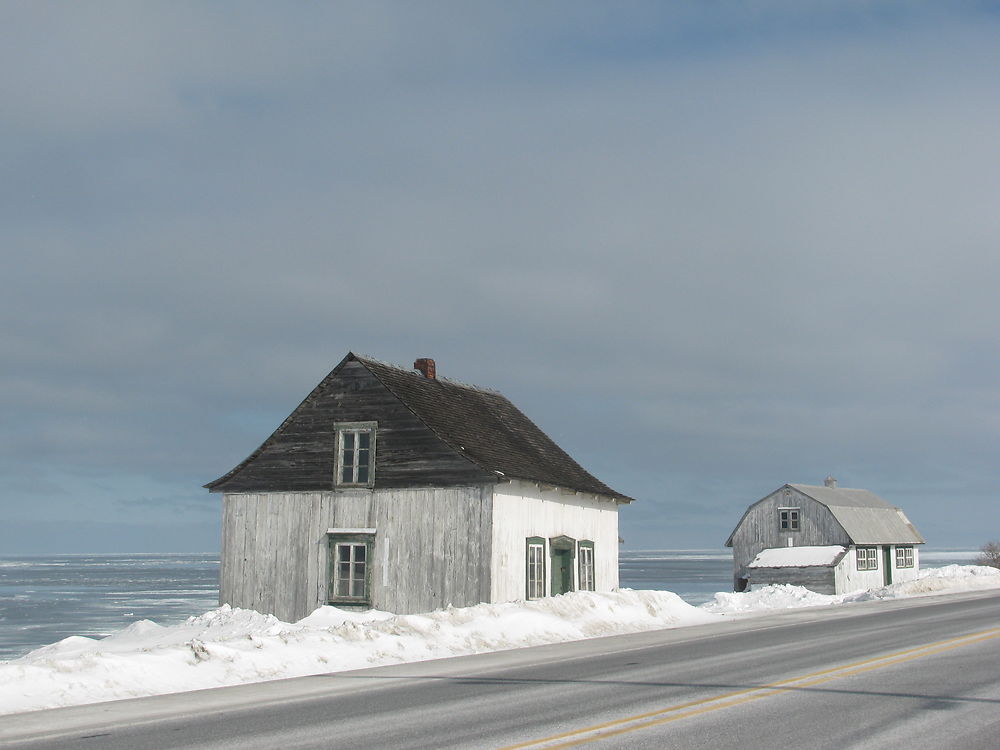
[[830, 482], [427, 367]]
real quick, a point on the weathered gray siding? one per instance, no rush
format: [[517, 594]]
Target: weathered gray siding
[[759, 529], [432, 547], [815, 578]]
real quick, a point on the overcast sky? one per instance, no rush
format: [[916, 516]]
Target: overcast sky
[[710, 248]]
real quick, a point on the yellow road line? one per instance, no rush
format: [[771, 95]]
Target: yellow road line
[[688, 709]]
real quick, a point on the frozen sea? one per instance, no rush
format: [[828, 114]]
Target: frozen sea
[[44, 599]]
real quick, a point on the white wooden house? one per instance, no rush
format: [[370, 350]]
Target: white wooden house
[[827, 539], [398, 490]]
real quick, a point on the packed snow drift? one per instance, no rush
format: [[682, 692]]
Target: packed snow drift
[[232, 646]]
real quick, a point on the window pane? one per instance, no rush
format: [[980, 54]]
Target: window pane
[[349, 570], [348, 441], [536, 575], [362, 475], [347, 475], [364, 440]]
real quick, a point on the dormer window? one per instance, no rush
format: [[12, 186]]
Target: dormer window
[[788, 519], [355, 454]]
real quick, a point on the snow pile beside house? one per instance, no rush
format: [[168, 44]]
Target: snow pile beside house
[[766, 598], [232, 646], [950, 578], [936, 580]]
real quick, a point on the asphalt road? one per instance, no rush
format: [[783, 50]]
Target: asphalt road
[[919, 673]]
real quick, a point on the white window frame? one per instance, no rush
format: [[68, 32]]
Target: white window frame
[[904, 556], [789, 519], [362, 474], [867, 558], [585, 561], [534, 563]]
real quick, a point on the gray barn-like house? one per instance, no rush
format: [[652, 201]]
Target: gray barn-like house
[[398, 490], [827, 539]]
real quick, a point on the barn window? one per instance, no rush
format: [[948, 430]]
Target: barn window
[[867, 558], [355, 454], [904, 557], [535, 568], [350, 566], [585, 560], [788, 519]]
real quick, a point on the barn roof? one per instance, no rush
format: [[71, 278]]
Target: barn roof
[[867, 518], [480, 424]]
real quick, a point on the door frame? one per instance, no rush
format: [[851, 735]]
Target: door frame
[[562, 557]]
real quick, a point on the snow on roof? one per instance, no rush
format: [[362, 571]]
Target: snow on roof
[[798, 557]]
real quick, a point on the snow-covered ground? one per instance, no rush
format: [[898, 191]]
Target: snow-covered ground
[[232, 646]]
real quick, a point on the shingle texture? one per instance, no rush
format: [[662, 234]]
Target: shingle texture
[[488, 429], [429, 429]]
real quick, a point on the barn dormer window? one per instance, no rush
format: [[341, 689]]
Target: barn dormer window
[[355, 454], [788, 519]]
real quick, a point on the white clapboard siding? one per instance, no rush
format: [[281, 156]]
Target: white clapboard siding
[[524, 509]]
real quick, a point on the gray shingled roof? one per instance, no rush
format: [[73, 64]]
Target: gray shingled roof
[[478, 424], [867, 518], [488, 429]]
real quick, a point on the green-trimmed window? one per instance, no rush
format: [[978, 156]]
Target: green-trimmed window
[[585, 563], [867, 558], [904, 556], [355, 454], [350, 568], [534, 561]]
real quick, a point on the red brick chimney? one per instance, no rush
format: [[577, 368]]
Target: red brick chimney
[[426, 366]]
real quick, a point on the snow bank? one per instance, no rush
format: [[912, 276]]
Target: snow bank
[[936, 581], [232, 646], [950, 578]]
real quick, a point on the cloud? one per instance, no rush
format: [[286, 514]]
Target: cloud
[[689, 244]]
